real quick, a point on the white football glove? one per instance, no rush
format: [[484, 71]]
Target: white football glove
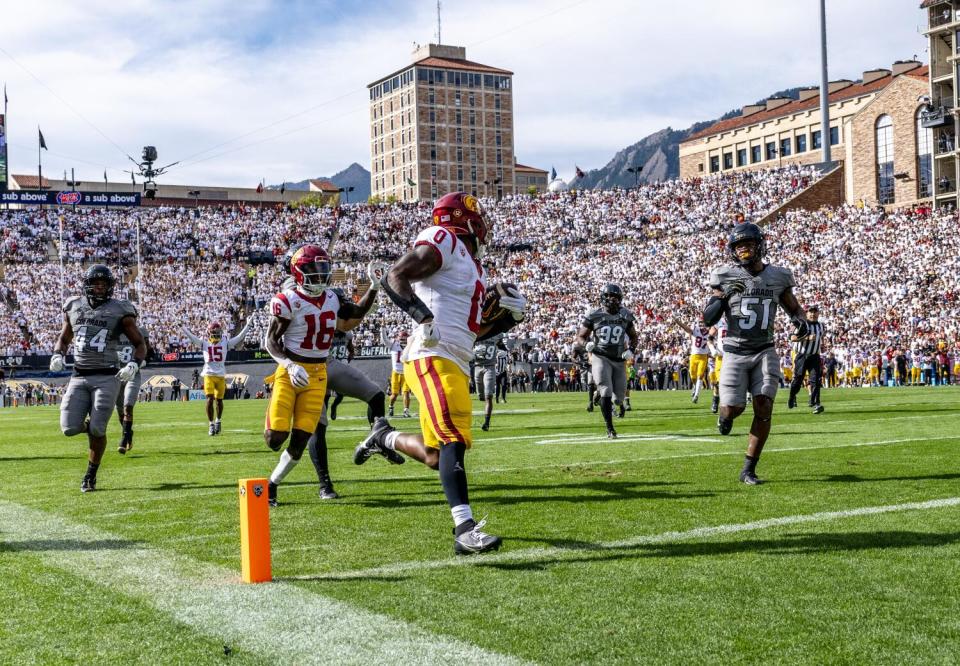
[[56, 363], [375, 272], [627, 355], [128, 372], [590, 346], [515, 305], [298, 375], [430, 334]]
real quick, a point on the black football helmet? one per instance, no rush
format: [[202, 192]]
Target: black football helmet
[[288, 257], [98, 273], [747, 231], [611, 297]]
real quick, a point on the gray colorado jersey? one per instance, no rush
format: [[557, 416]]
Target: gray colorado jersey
[[609, 332], [96, 331], [751, 314], [485, 352], [125, 348], [338, 348]]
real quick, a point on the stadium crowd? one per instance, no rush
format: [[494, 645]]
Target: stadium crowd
[[885, 280]]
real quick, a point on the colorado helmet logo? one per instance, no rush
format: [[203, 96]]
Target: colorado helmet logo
[[68, 198]]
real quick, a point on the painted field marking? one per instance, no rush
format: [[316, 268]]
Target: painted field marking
[[210, 599], [558, 554]]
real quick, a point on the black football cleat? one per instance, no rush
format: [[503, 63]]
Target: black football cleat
[[818, 409], [485, 427], [474, 541], [88, 485], [333, 411], [749, 478], [792, 402], [590, 406], [715, 405], [724, 426], [212, 431], [390, 413], [373, 444], [327, 492], [623, 411], [122, 447], [272, 494], [611, 434]]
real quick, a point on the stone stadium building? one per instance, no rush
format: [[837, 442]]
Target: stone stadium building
[[880, 139]]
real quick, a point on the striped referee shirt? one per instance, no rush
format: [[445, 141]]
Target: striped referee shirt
[[502, 359], [811, 344]]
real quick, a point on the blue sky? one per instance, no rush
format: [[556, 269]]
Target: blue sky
[[263, 88]]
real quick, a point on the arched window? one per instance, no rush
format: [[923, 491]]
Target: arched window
[[924, 158], [885, 181]]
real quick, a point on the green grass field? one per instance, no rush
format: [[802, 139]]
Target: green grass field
[[641, 550]]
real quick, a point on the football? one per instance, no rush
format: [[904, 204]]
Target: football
[[491, 303]]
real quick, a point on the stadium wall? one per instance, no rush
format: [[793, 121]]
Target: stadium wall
[[828, 191]]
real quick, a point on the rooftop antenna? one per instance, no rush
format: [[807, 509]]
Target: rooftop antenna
[[439, 40]]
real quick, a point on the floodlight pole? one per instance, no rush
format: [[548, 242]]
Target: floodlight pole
[[824, 83]]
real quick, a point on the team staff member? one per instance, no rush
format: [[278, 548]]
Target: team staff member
[[806, 359]]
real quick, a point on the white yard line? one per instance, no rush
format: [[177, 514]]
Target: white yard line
[[280, 622], [554, 554]]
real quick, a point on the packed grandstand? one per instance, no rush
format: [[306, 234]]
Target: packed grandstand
[[886, 280]]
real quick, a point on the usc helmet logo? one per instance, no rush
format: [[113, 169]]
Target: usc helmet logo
[[470, 203]]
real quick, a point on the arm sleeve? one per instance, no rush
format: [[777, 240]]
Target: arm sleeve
[[714, 311], [192, 338], [233, 342]]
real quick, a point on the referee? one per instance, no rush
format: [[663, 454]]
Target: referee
[[806, 358]]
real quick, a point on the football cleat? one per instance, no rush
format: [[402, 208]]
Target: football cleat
[[818, 409], [724, 426], [715, 405], [213, 430], [373, 444], [486, 426], [88, 485], [333, 412], [590, 406], [792, 402], [611, 434], [474, 541], [623, 410], [272, 494], [216, 424], [749, 478], [122, 447], [390, 413], [327, 492], [406, 413]]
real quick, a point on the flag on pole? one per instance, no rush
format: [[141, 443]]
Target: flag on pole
[[411, 183], [580, 173], [553, 173], [43, 143], [259, 188], [283, 187], [104, 176]]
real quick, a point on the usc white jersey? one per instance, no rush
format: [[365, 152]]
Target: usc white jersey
[[214, 357], [313, 321], [698, 340], [721, 327], [454, 295], [396, 351]]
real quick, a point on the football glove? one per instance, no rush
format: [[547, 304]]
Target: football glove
[[590, 346], [802, 329], [515, 305], [128, 372], [627, 355], [733, 287], [376, 271], [430, 334], [56, 363], [298, 375]]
